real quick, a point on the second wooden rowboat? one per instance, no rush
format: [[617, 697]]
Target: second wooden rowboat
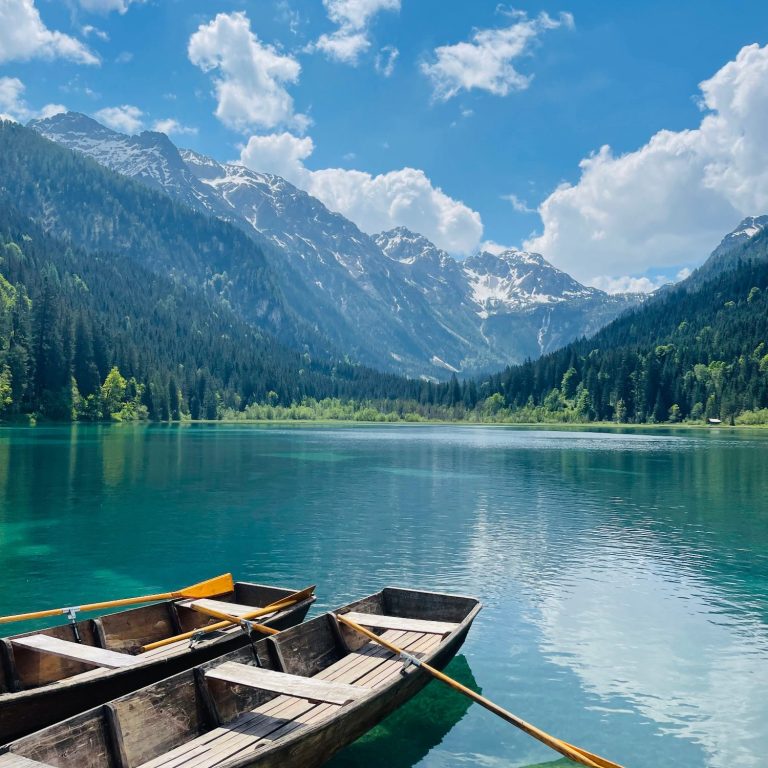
[[292, 700], [45, 675]]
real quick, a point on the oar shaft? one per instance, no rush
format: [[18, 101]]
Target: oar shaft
[[87, 607], [228, 622], [568, 750], [229, 619], [285, 602], [216, 586]]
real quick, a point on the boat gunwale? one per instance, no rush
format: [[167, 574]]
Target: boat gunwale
[[449, 646], [348, 711], [142, 663]]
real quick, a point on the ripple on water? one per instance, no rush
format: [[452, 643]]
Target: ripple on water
[[624, 576]]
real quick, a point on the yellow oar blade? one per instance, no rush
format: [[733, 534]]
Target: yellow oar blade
[[219, 585], [603, 762], [576, 754]]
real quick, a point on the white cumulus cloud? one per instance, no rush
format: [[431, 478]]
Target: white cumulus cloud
[[486, 61], [126, 118], [403, 197], [518, 204], [385, 60], [491, 246], [24, 36], [634, 284], [353, 18], [172, 126], [627, 284], [14, 107], [106, 6], [671, 201], [251, 76]]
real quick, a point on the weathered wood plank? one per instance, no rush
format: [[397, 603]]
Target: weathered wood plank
[[9, 760], [289, 685], [247, 729], [398, 622], [319, 713], [127, 631], [160, 718], [89, 654], [390, 668], [233, 609], [353, 658], [363, 664], [284, 726], [308, 649]]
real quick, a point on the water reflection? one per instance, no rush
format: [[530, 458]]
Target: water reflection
[[624, 576], [412, 732], [670, 648]]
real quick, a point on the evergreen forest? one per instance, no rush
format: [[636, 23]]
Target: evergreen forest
[[118, 304]]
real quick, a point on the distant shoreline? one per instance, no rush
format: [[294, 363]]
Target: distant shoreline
[[571, 426]]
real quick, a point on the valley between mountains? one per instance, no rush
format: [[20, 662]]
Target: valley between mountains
[[390, 300]]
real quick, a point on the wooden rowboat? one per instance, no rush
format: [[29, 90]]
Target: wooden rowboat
[[46, 675], [292, 700]]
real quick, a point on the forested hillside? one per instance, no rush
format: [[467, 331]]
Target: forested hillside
[[90, 335], [700, 350], [117, 303], [80, 202]]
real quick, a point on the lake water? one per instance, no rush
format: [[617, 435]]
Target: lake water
[[624, 575]]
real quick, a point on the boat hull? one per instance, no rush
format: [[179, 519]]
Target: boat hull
[[317, 745], [292, 701], [27, 711]]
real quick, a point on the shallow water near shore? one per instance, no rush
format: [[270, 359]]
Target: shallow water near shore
[[624, 575]]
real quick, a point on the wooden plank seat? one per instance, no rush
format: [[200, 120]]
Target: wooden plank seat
[[89, 654], [290, 685], [398, 622], [252, 731], [233, 609], [370, 666], [10, 760], [262, 725]]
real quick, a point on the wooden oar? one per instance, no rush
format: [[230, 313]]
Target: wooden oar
[[219, 585], [284, 602], [576, 754], [230, 619]]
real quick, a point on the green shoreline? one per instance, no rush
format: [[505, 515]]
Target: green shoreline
[[571, 426]]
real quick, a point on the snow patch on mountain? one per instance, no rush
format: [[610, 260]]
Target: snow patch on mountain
[[393, 300]]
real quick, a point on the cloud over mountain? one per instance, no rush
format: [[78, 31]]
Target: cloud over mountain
[[668, 202], [249, 76], [404, 197]]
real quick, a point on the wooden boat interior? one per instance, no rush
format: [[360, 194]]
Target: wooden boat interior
[[112, 641], [238, 706]]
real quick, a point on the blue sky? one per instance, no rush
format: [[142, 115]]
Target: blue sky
[[490, 106]]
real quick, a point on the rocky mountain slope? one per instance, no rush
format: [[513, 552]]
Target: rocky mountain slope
[[394, 300], [733, 247]]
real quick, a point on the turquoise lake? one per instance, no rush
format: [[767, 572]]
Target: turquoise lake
[[624, 574]]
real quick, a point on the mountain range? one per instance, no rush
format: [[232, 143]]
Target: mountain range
[[391, 300], [697, 350], [117, 300]]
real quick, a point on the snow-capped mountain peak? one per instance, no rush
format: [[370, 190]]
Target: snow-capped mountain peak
[[392, 300], [747, 229], [407, 247], [514, 279], [150, 156]]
